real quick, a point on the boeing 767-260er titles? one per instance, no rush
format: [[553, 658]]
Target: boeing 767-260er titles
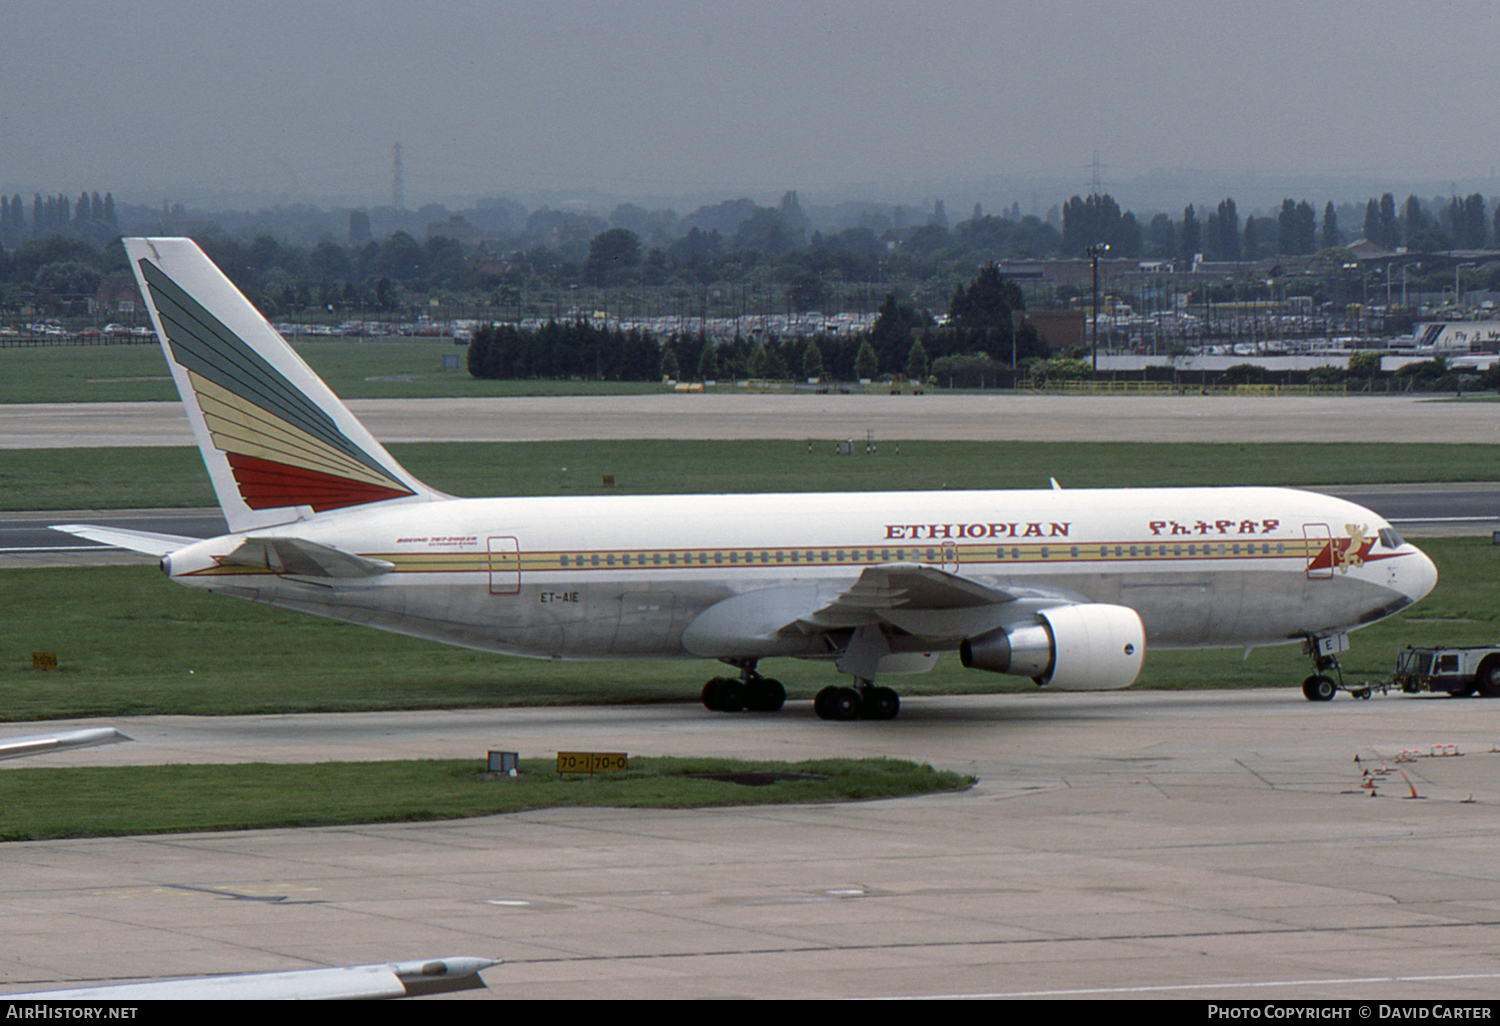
[[1065, 587]]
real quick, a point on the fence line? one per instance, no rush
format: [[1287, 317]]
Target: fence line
[[1182, 388], [31, 341]]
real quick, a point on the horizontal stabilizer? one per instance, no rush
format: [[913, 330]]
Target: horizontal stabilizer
[[304, 559], [122, 538]]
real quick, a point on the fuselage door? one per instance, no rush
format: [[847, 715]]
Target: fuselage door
[[1319, 541], [950, 557], [645, 623], [505, 566]]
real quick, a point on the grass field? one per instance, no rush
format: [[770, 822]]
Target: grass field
[[129, 642], [124, 478], [396, 368], [355, 369], [40, 804]]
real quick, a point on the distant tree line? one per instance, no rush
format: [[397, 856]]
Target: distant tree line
[[52, 214], [979, 337], [1460, 225], [570, 349], [1296, 230], [373, 281], [733, 258], [578, 349], [1216, 235]]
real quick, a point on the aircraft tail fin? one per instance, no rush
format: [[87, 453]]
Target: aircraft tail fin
[[278, 444]]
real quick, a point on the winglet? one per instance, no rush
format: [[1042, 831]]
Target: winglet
[[278, 444]]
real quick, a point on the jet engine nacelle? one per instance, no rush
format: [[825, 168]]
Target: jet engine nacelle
[[1089, 647]]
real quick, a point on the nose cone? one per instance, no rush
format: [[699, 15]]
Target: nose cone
[[1418, 575]]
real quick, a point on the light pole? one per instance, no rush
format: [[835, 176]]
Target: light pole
[[1457, 288], [1404, 268], [1094, 252]]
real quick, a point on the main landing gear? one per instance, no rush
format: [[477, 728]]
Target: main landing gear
[[865, 701], [750, 692], [753, 693]]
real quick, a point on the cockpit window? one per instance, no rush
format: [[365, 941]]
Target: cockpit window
[[1390, 539]]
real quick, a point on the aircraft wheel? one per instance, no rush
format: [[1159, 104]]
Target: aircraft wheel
[[880, 704], [1319, 689], [724, 694], [765, 695], [731, 696], [844, 705], [823, 702]]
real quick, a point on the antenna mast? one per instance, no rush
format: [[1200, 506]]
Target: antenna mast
[[398, 187]]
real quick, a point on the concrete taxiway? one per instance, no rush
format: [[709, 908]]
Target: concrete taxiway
[[1205, 844], [972, 417]]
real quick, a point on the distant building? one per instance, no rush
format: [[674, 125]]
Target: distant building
[[895, 238], [1364, 249], [118, 293], [455, 228], [1061, 328]]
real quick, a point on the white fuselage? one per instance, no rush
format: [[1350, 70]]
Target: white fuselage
[[622, 577]]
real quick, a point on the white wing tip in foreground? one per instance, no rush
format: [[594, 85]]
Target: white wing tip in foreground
[[37, 744], [388, 980]]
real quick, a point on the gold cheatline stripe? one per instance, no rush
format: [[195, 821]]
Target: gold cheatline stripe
[[864, 555], [1140, 552]]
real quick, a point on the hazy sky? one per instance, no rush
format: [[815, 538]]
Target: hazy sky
[[301, 100]]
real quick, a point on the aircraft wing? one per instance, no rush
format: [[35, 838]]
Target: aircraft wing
[[122, 538], [922, 600], [392, 980], [1055, 637], [38, 744]]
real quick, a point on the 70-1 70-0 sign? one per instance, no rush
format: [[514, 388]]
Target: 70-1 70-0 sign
[[591, 762]]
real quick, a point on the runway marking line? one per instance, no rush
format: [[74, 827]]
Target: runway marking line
[[1180, 987]]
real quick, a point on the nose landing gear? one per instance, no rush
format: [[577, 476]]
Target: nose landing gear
[[1321, 686]]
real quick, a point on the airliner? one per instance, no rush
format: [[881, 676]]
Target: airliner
[[1066, 587]]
